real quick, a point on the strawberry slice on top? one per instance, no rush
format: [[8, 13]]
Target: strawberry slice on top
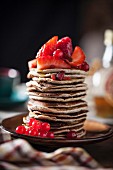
[[78, 56], [48, 48], [32, 63], [65, 45], [48, 62]]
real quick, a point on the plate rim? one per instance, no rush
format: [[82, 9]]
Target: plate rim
[[80, 140]]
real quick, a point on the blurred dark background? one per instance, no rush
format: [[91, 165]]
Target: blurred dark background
[[26, 25]]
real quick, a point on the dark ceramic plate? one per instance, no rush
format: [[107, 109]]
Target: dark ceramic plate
[[95, 132]]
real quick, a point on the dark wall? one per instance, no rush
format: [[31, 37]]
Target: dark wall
[[26, 25]]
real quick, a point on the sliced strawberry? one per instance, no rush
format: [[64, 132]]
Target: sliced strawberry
[[46, 62], [49, 47], [78, 57], [58, 53], [32, 64], [65, 45]]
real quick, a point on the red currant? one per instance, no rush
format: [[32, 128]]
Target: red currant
[[33, 132], [42, 134], [50, 135], [30, 121], [27, 131], [36, 124], [71, 135], [20, 129], [85, 66], [45, 126]]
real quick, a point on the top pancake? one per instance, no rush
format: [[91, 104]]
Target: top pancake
[[49, 80], [32, 74], [68, 71]]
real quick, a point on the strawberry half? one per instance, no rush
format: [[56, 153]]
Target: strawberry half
[[47, 62], [78, 56], [32, 64], [49, 47], [65, 45]]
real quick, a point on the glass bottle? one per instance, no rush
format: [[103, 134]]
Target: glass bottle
[[103, 80]]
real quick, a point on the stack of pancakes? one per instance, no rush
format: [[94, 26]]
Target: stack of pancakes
[[58, 102]]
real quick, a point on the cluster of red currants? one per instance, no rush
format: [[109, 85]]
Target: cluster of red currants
[[35, 128]]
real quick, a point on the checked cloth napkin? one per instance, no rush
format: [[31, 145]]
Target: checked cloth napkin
[[18, 154]]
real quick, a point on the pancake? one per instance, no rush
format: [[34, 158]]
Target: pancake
[[36, 113], [78, 125], [55, 104], [77, 130], [79, 96], [59, 123], [58, 110], [44, 87], [68, 119], [56, 92], [48, 118], [58, 115], [49, 80], [53, 86], [59, 94], [80, 134], [33, 73], [69, 71]]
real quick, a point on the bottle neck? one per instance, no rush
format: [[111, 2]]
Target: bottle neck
[[107, 59]]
